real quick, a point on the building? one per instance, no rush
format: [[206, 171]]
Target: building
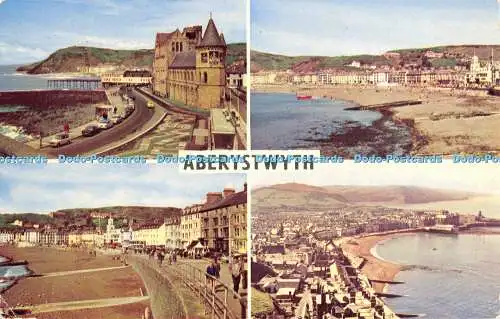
[[6, 235], [191, 225], [189, 68], [224, 221], [173, 232], [151, 234], [112, 234], [127, 78]]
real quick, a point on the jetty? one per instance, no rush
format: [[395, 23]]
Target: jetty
[[383, 105], [387, 282], [385, 295]]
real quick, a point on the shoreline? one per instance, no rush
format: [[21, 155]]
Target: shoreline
[[448, 121], [375, 266]]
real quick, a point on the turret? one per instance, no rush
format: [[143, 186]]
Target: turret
[[210, 66]]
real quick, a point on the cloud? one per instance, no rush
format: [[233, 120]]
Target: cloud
[[12, 53], [52, 187], [2, 1]]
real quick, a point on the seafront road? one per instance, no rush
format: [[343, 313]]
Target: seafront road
[[141, 118], [81, 271]]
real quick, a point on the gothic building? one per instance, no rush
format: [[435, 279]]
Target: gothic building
[[189, 68]]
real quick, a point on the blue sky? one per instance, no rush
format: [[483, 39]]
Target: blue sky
[[52, 187], [32, 29], [347, 27]]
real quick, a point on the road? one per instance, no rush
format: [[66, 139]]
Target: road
[[86, 145]]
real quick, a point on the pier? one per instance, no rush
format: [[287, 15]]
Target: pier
[[75, 84]]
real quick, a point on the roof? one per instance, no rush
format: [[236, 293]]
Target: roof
[[184, 60], [163, 37], [230, 200], [219, 123], [211, 38]]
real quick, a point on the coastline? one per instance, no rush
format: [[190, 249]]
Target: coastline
[[38, 290], [448, 121], [375, 267]]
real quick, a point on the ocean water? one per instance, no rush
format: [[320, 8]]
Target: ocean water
[[11, 272], [280, 121], [12, 81], [446, 276]]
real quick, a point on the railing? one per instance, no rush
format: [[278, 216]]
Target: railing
[[214, 294]]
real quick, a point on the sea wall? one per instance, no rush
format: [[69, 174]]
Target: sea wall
[[165, 302], [45, 98]]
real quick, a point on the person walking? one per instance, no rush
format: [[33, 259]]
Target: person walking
[[212, 271], [235, 268]]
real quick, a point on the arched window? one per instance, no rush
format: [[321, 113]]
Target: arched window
[[176, 46], [181, 46], [205, 77]]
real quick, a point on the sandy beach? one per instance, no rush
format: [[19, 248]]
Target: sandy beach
[[104, 284], [448, 121]]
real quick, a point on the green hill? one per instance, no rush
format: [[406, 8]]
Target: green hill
[[70, 59]]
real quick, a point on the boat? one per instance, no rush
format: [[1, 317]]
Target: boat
[[304, 97]]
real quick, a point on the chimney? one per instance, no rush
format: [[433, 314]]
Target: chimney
[[212, 197], [228, 191]]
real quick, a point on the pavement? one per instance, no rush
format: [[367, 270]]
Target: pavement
[[225, 277], [83, 304], [139, 122]]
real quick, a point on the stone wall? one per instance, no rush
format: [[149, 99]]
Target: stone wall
[[165, 302], [45, 98]]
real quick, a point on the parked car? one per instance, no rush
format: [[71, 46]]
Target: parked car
[[91, 130], [105, 124], [128, 111], [116, 119], [150, 105], [60, 140]]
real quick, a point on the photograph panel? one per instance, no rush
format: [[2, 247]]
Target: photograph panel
[[102, 242], [122, 77], [376, 241], [375, 78]]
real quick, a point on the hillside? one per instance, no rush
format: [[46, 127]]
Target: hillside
[[72, 58], [294, 196], [452, 56], [78, 216]]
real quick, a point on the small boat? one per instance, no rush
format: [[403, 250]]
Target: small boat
[[304, 97]]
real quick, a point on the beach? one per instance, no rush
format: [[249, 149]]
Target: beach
[[448, 121], [374, 268], [112, 281]]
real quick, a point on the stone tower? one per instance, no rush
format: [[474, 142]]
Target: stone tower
[[210, 67]]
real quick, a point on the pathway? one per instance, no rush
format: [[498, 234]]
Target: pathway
[[82, 304]]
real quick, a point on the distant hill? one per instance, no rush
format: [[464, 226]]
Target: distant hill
[[262, 61], [72, 58], [293, 196], [77, 215]]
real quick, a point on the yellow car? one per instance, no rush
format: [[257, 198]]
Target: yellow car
[[150, 105]]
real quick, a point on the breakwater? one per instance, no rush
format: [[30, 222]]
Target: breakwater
[[46, 98], [384, 105]]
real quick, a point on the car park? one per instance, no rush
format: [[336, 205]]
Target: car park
[[60, 140], [90, 130]]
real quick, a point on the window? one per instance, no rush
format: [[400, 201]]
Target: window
[[176, 46], [173, 46], [204, 57], [181, 46], [205, 77]]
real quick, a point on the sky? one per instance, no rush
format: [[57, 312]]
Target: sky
[[47, 188], [479, 178], [32, 29], [350, 27]]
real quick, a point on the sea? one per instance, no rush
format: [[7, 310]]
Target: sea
[[280, 121], [445, 276], [10, 80], [11, 272]]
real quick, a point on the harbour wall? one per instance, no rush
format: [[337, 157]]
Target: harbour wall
[[45, 98]]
